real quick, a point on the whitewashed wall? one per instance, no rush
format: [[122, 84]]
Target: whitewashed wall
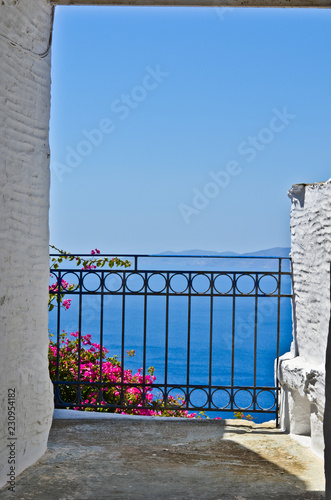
[[24, 200], [302, 372]]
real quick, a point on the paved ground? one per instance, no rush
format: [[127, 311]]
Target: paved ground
[[170, 459]]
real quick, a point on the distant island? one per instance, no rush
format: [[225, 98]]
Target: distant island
[[204, 260], [270, 252]]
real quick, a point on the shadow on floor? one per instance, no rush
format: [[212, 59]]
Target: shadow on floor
[[150, 459]]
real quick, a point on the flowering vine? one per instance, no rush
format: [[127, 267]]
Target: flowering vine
[[92, 263]]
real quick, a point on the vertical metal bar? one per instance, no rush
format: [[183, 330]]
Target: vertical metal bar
[[278, 334], [101, 335], [188, 339], [255, 339], [233, 327], [57, 387], [211, 338], [232, 398], [122, 402], [79, 398], [144, 343], [166, 342]]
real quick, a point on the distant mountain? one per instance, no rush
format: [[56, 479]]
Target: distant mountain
[[210, 253], [204, 260], [270, 252]]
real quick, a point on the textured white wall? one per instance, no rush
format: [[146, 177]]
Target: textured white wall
[[302, 372], [24, 200], [311, 256]]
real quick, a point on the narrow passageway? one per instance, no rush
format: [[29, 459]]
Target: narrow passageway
[[150, 458]]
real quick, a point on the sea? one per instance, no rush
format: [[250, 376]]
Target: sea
[[194, 362]]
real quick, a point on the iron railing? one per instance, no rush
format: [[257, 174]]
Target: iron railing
[[219, 332]]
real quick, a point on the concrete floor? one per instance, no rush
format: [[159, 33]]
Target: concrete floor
[[134, 458]]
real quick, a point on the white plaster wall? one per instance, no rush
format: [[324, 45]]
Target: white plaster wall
[[302, 372], [24, 195], [311, 256]]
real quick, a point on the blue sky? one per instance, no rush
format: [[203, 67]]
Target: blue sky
[[183, 128]]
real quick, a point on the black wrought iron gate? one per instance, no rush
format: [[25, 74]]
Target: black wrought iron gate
[[182, 333]]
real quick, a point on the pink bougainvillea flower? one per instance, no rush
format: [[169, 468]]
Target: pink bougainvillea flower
[[137, 389]]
